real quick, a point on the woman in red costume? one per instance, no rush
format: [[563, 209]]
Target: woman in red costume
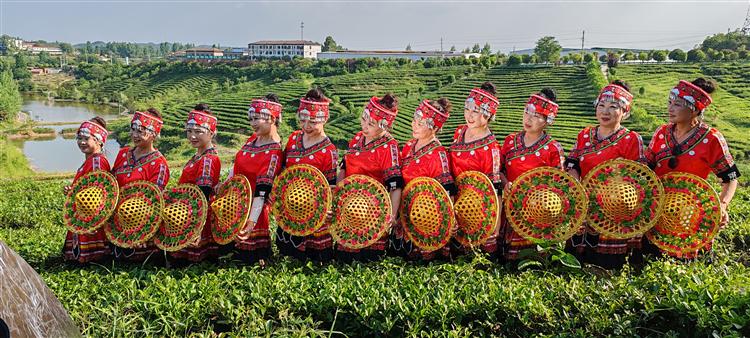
[[475, 148], [311, 146], [687, 144], [607, 140], [203, 170], [142, 162], [529, 149], [424, 156], [90, 138], [374, 152]]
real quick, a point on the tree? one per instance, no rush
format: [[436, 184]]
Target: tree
[[453, 48], [486, 50], [743, 54], [660, 55], [45, 59], [548, 49], [476, 48], [678, 55], [20, 70], [408, 48], [526, 58], [732, 41], [629, 56], [7, 46], [88, 48], [643, 56], [10, 97], [164, 48], [501, 58], [329, 45], [718, 56], [712, 54], [466, 50], [66, 47], [514, 60], [612, 59], [588, 57], [575, 57]]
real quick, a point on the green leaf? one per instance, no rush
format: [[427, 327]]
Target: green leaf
[[529, 263], [570, 261]]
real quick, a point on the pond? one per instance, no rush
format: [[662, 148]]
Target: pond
[[59, 154]]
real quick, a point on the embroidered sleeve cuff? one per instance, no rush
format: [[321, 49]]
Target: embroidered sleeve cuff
[[262, 190], [393, 183], [730, 174]]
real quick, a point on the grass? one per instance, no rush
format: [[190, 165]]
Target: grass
[[12, 161], [470, 297]]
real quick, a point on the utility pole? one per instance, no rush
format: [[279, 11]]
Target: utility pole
[[441, 45], [302, 30], [583, 39], [746, 25]]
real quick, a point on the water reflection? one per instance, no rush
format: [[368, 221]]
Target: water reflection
[[56, 111], [59, 154]]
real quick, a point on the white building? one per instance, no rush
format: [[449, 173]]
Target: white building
[[51, 50], [389, 54], [17, 43], [281, 48]]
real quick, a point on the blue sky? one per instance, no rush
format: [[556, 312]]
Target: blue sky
[[376, 24]]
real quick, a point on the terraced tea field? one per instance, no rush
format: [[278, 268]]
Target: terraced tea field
[[159, 85]]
